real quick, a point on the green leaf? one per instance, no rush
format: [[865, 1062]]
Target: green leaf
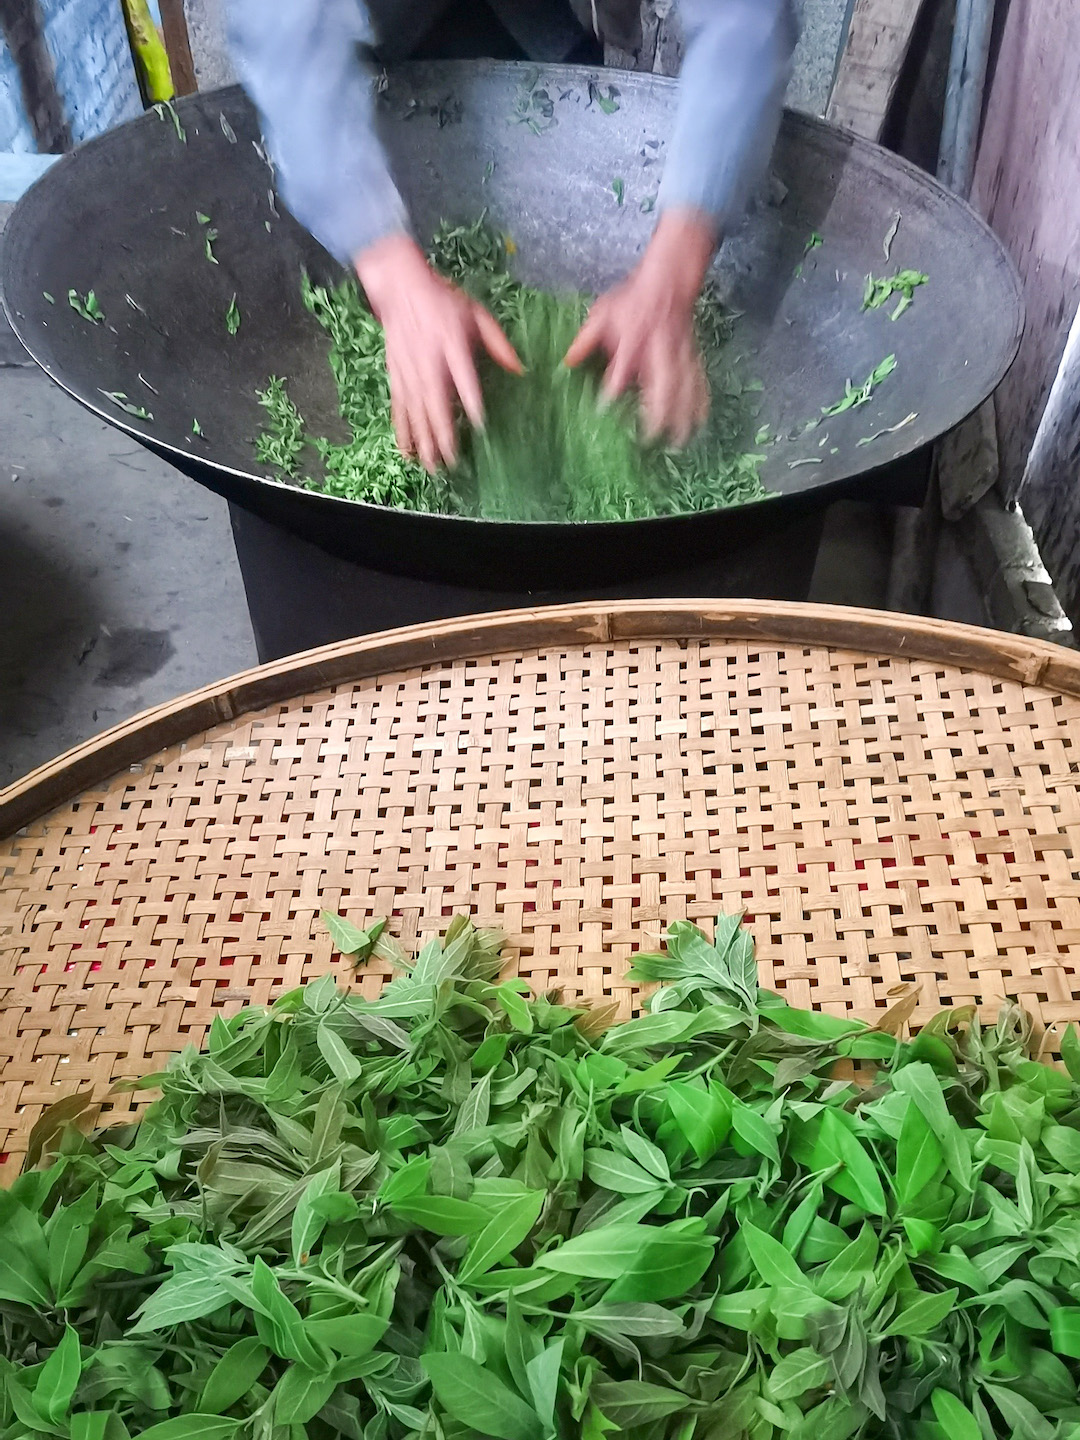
[[954, 1417], [922, 1085], [642, 1320], [1065, 1330], [922, 1236], [648, 1262], [88, 309], [1063, 1145], [308, 1220], [918, 1156], [771, 1260], [233, 1376], [284, 1330], [68, 1237], [740, 1310], [351, 1335], [666, 1268], [755, 1130], [647, 1032], [348, 938], [852, 1268], [301, 1393], [185, 1296], [601, 1254], [612, 1171], [920, 1317], [97, 1425], [858, 1181], [59, 1379], [630, 1403], [232, 317], [502, 1234], [408, 1182], [800, 1220], [1070, 1051], [542, 1374], [797, 1374], [476, 1398], [811, 1024], [516, 1009], [648, 1155], [344, 1065], [24, 1256], [443, 1215], [702, 1117], [1020, 1414], [192, 1427], [476, 1110], [834, 1419]]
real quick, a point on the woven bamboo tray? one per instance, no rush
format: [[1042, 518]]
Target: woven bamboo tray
[[893, 802]]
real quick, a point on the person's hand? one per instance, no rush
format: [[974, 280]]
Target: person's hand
[[433, 330], [645, 327]]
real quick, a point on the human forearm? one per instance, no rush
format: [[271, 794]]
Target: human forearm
[[679, 254], [735, 75], [300, 62]]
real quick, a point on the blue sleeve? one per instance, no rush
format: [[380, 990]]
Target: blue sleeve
[[301, 62], [734, 78]]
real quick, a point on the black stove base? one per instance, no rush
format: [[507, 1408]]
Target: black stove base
[[300, 597]]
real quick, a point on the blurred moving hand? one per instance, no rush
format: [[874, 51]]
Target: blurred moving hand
[[433, 331], [645, 327]]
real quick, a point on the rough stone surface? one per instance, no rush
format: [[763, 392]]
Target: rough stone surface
[[1013, 581], [209, 49]]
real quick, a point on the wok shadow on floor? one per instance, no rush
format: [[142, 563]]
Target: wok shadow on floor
[[51, 629]]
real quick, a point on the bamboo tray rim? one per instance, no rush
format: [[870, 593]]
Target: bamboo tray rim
[[780, 623]]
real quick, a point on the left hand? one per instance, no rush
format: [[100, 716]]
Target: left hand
[[645, 327]]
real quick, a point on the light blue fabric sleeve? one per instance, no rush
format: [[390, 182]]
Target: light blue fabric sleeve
[[300, 61], [734, 78]]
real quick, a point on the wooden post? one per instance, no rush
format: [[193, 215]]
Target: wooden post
[[877, 45], [22, 28], [178, 44], [661, 42]]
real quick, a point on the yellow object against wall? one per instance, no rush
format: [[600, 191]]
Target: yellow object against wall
[[151, 57]]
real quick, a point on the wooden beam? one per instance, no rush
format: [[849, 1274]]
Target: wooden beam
[[178, 44], [874, 53], [22, 30]]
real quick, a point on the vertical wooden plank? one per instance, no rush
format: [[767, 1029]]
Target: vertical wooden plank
[[1025, 185], [874, 53], [177, 43], [1049, 493]]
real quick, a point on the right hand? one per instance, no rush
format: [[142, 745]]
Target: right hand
[[432, 332]]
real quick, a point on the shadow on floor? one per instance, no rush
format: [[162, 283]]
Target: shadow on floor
[[51, 626]]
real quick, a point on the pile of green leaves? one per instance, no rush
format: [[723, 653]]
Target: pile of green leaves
[[879, 292], [549, 450], [458, 1211]]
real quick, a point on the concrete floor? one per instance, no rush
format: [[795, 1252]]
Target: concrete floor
[[119, 586]]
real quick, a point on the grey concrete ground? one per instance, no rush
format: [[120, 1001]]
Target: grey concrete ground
[[119, 588]]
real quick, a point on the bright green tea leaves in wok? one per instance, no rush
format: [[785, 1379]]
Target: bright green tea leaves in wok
[[457, 1210], [548, 449]]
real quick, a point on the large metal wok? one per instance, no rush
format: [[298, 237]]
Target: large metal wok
[[119, 217]]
